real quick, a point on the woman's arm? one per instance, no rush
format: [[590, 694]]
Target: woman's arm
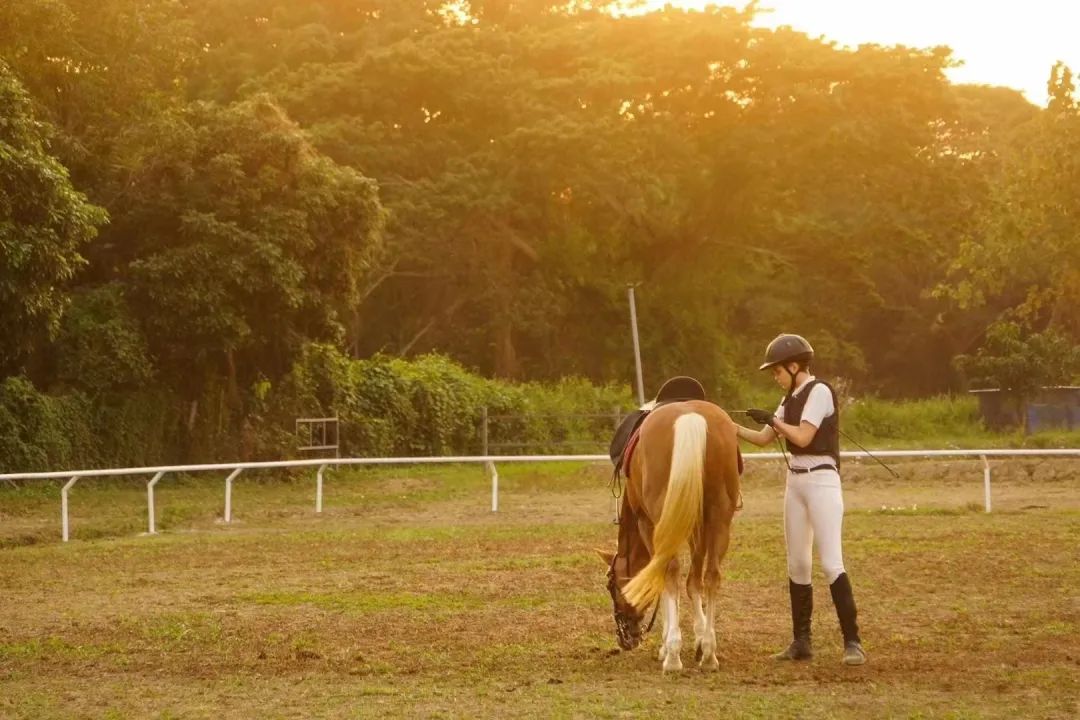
[[761, 437], [802, 435]]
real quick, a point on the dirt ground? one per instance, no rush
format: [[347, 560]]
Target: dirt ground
[[408, 598]]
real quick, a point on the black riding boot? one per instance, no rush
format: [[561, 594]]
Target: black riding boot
[[846, 613], [802, 607]]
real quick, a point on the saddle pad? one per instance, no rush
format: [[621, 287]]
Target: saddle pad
[[625, 430], [631, 445]]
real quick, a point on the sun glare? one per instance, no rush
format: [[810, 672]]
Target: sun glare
[[1008, 43]]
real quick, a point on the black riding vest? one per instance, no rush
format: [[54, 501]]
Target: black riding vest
[[827, 438]]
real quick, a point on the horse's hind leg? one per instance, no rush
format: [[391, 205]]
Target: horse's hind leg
[[712, 593], [671, 643], [694, 590]]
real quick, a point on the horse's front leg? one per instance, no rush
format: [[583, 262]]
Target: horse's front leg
[[671, 641]]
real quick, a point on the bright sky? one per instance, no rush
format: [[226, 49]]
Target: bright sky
[[1002, 42]]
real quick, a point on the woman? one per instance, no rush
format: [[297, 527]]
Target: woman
[[809, 422]]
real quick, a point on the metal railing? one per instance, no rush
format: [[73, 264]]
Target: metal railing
[[157, 473], [603, 424]]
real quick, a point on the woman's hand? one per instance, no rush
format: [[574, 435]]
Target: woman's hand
[[763, 417], [802, 435]]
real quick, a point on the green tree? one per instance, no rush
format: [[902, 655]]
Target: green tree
[[95, 68], [238, 241], [535, 157], [1014, 358], [44, 223], [1021, 263], [538, 162], [1021, 362], [100, 349]]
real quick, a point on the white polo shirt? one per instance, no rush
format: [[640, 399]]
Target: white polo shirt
[[818, 407]]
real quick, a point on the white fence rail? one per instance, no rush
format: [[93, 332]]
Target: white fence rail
[[488, 461]]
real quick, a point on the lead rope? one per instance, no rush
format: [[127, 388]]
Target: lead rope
[[783, 450], [790, 393]]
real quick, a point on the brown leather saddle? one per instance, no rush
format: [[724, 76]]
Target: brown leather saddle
[[677, 389]]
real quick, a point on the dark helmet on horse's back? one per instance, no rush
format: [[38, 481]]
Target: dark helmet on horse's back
[[680, 388]]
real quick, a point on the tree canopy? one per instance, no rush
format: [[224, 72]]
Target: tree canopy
[[485, 179], [44, 225]]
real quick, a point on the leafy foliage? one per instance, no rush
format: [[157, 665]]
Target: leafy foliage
[[100, 348], [1022, 361], [243, 240], [304, 193], [39, 432], [433, 406], [44, 222], [1020, 268]]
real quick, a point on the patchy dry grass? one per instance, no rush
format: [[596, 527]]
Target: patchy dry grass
[[408, 598]]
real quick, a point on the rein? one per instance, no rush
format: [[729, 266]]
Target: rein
[[615, 575], [653, 618]]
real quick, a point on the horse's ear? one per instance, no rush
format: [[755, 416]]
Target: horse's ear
[[606, 556]]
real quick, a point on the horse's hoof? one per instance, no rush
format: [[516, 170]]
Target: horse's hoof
[[672, 664], [710, 665]]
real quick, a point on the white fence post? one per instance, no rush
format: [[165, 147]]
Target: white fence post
[[150, 500], [318, 489], [494, 486], [986, 483], [64, 506], [228, 493]]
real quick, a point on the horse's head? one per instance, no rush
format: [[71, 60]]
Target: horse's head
[[627, 618]]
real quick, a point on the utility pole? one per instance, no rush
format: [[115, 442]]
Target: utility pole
[[637, 345]]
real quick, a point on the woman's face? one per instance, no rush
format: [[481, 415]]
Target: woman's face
[[782, 377]]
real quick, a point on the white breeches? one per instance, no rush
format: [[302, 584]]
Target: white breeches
[[813, 513]]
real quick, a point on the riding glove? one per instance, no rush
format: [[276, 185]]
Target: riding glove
[[761, 416]]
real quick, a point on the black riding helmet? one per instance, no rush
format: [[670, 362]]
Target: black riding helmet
[[787, 348]]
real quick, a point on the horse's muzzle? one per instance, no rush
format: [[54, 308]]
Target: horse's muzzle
[[627, 634]]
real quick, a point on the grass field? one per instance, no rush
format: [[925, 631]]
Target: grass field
[[409, 598]]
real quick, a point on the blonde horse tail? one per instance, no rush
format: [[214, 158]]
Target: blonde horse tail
[[681, 512]]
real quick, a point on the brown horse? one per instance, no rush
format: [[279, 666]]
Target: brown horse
[[683, 488]]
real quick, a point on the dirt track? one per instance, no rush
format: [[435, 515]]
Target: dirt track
[[410, 599]]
